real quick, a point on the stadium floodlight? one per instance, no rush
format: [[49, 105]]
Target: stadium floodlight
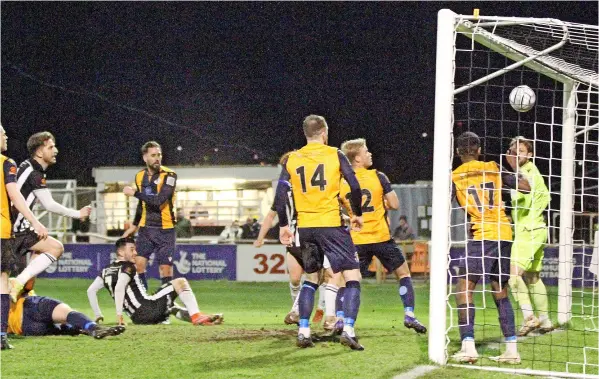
[[480, 60]]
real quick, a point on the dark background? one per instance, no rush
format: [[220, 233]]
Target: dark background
[[238, 78]]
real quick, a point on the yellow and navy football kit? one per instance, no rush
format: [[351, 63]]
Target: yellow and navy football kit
[[32, 316], [374, 239], [155, 214], [314, 174], [9, 175], [478, 187]]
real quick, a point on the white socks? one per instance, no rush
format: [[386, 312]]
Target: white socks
[[527, 311], [294, 291], [295, 306], [190, 302], [511, 347], [304, 331], [36, 267], [349, 330], [468, 345], [321, 296], [330, 298]]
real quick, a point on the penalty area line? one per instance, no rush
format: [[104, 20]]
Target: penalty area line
[[416, 372]]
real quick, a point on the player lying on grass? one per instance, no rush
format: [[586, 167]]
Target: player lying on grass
[[44, 316], [129, 293]]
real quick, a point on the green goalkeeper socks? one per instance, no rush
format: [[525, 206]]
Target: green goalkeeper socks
[[538, 292], [520, 293]]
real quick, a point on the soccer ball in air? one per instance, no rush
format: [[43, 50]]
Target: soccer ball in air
[[522, 98]]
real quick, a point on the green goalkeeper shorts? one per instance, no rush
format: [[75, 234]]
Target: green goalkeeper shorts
[[527, 249]]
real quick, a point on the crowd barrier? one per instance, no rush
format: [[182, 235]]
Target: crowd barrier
[[246, 263]]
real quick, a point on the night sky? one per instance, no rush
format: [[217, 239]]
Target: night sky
[[234, 77]]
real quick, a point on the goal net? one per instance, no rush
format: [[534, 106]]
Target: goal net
[[480, 60]]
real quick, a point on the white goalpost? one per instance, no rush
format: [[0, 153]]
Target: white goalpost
[[480, 59]]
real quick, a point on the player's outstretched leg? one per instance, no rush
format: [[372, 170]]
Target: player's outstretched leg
[[52, 250], [334, 306], [466, 311], [339, 310], [322, 304], [4, 310], [538, 293], [406, 293], [183, 290], [521, 295], [306, 304], [295, 285], [293, 315], [508, 328], [63, 314], [351, 304]]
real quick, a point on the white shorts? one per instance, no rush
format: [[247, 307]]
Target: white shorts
[[325, 263]]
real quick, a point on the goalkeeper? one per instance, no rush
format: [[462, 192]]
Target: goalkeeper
[[530, 239]]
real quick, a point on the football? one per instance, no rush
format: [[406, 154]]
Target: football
[[522, 98]]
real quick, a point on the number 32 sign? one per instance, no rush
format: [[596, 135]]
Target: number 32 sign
[[275, 264], [265, 264]]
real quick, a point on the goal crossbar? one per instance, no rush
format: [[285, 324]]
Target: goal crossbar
[[555, 68]]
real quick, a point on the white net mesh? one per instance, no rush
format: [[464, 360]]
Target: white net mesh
[[481, 105]]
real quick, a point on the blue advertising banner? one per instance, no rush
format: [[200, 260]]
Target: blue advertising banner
[[194, 262], [80, 261], [201, 262], [581, 257]]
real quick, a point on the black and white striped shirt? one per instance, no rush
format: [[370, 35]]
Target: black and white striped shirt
[[31, 176], [135, 294], [289, 209]]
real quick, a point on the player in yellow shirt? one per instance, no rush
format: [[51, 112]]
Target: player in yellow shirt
[[314, 175], [44, 316], [154, 218], [10, 193], [478, 186], [374, 239]]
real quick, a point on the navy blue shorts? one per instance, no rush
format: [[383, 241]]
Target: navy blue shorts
[[159, 241], [37, 316], [490, 258], [387, 252], [335, 243]]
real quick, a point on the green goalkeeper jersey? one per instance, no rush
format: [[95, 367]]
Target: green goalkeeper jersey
[[528, 208]]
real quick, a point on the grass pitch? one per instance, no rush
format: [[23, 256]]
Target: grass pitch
[[254, 343]]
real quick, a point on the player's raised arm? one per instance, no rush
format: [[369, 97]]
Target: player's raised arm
[[166, 192], [45, 198], [92, 296], [266, 225], [392, 201]]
